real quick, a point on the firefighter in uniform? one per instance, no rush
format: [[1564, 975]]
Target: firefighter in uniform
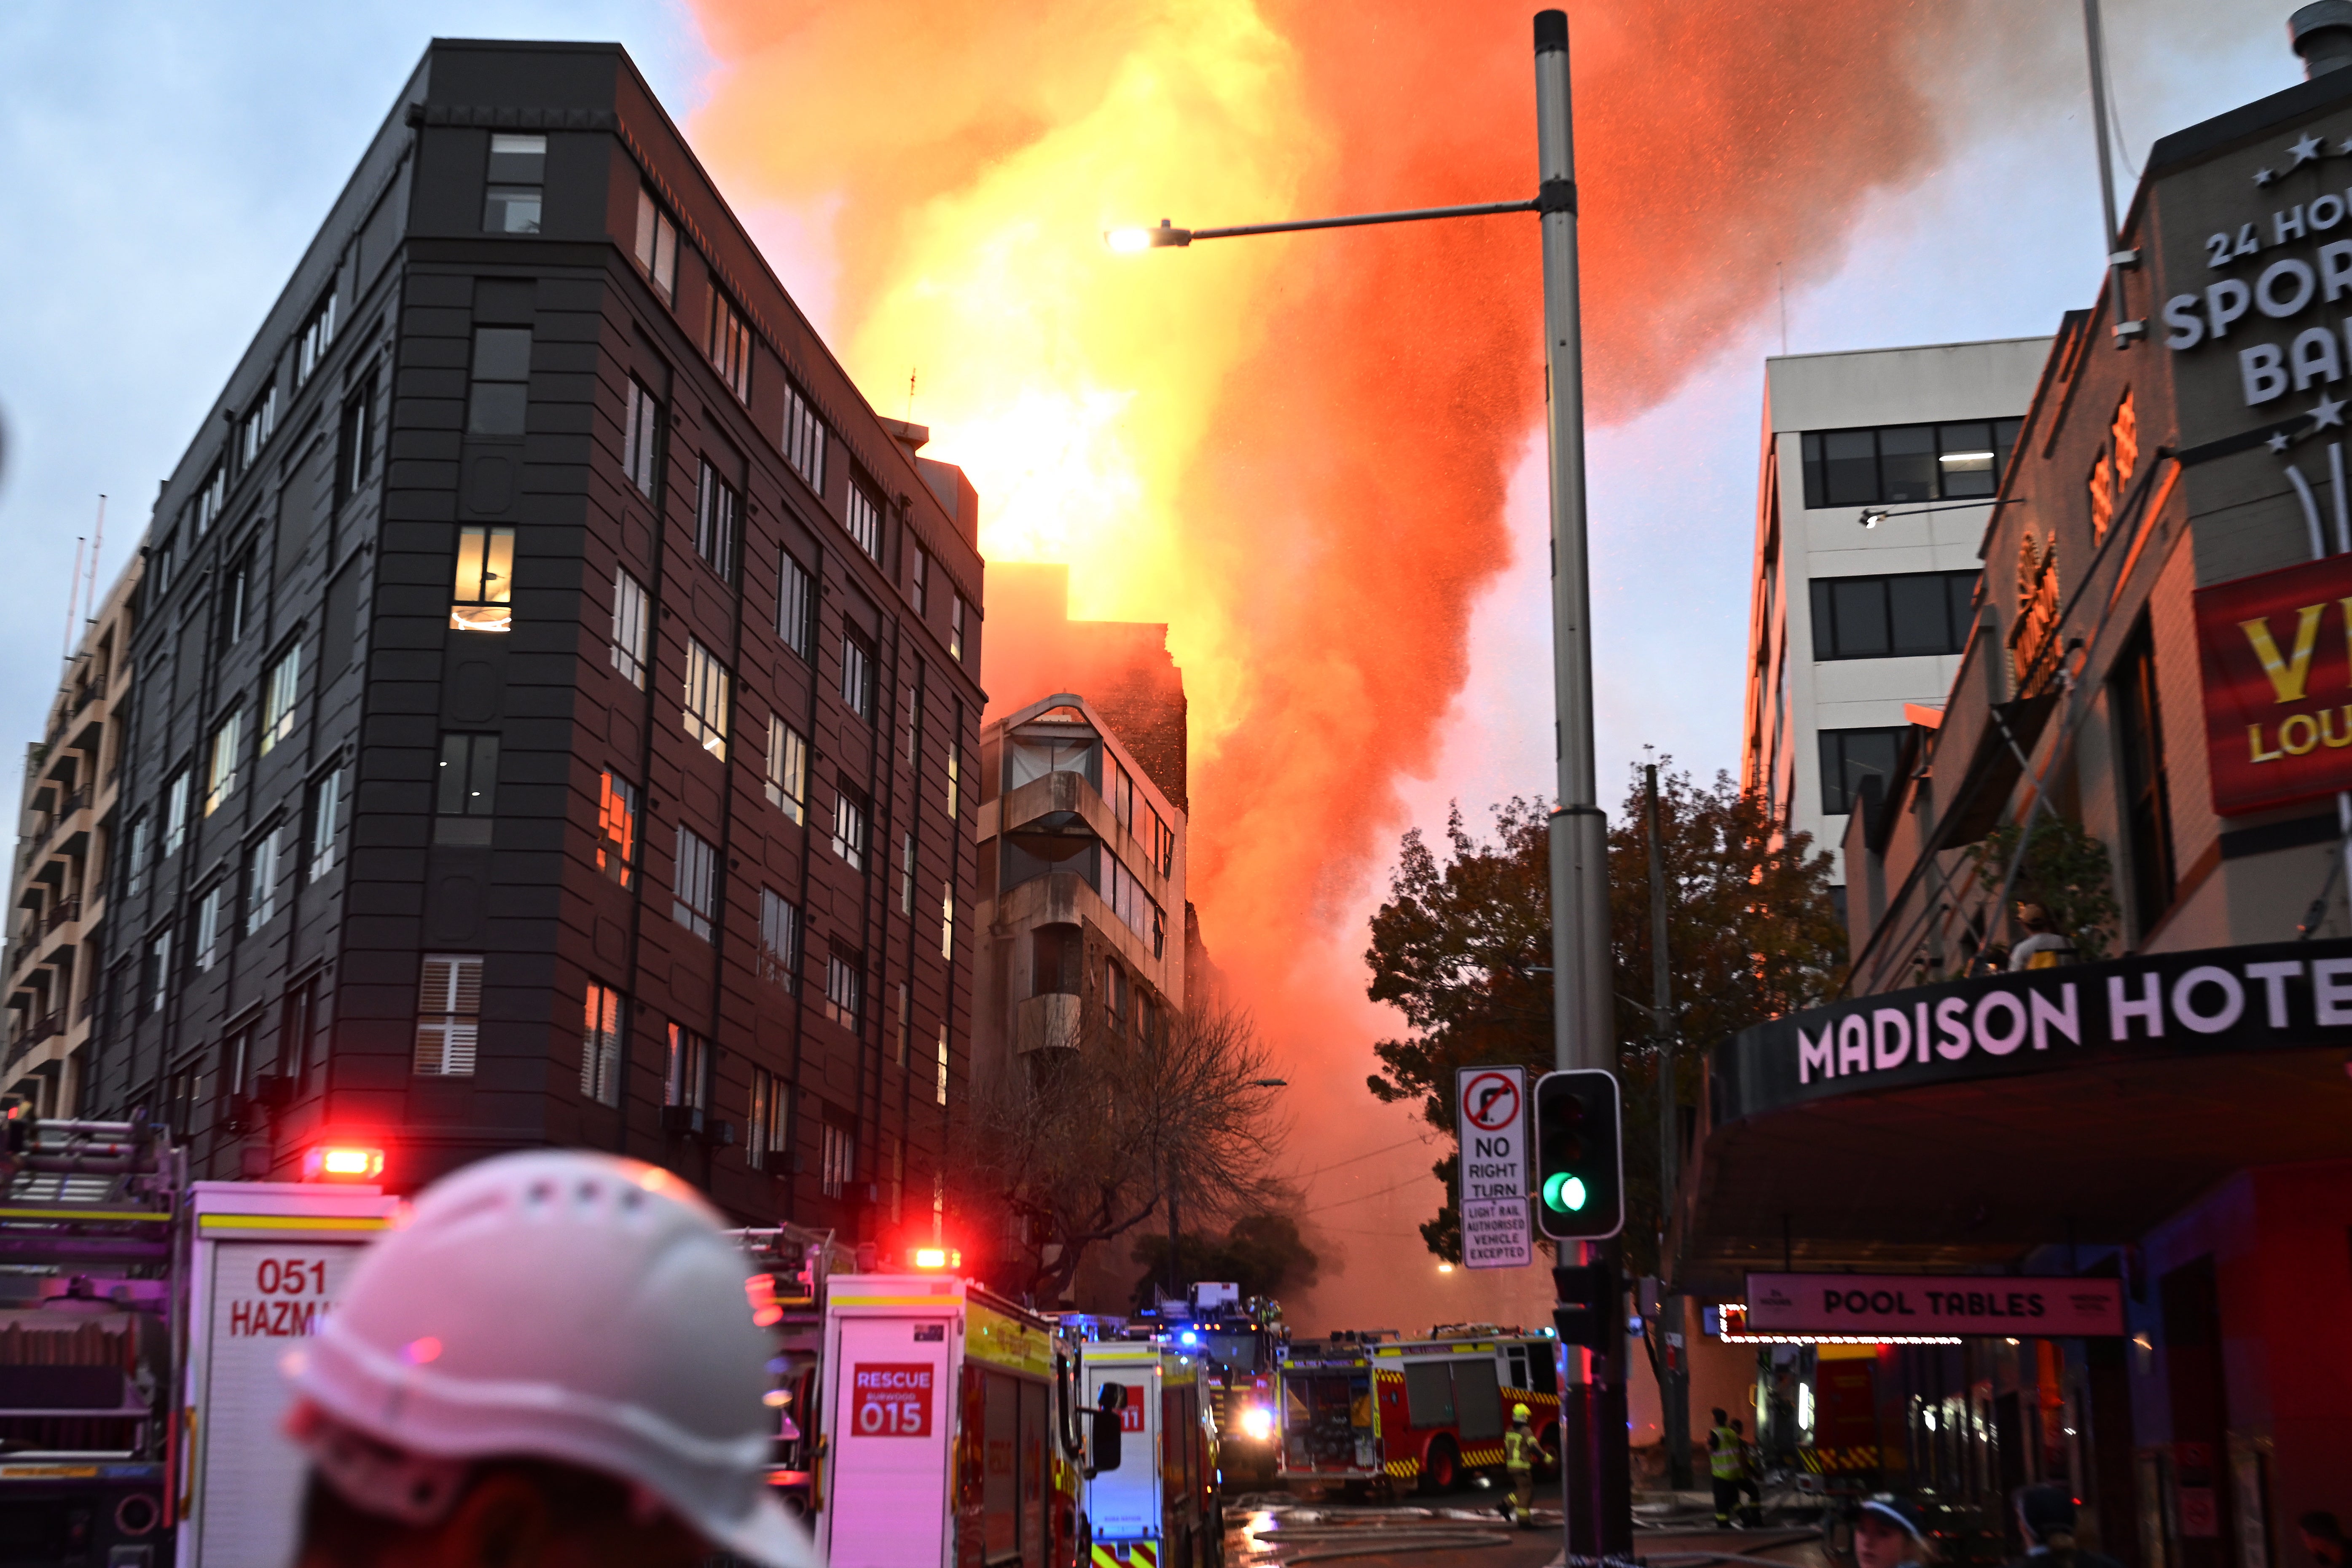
[[1519, 1458], [1727, 1454]]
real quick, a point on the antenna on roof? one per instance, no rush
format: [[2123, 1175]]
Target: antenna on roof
[[73, 593], [98, 539]]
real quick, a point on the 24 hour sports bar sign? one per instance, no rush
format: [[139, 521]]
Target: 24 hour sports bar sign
[[2277, 654]]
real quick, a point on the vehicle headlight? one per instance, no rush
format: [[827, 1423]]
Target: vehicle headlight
[[1257, 1423]]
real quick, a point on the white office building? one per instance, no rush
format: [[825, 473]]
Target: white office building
[[1873, 493]]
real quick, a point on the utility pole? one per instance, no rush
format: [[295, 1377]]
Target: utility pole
[[2096, 41], [1674, 1379], [1595, 1485]]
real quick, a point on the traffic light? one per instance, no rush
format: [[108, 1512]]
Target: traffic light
[[1580, 1167], [1584, 1308]]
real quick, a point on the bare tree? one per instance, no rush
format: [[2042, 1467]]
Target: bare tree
[[1098, 1134]]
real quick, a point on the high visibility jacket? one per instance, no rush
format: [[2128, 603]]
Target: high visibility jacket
[[1518, 1449], [1729, 1459]]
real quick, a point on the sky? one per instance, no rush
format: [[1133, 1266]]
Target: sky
[[162, 165]]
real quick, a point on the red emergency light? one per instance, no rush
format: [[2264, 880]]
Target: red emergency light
[[341, 1162], [935, 1257]]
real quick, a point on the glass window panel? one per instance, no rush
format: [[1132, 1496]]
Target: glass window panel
[[1850, 467], [1919, 608], [1859, 611], [1965, 459], [1960, 589], [1816, 482], [497, 408], [1907, 463]]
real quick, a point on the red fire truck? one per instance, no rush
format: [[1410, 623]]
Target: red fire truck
[[1366, 1411]]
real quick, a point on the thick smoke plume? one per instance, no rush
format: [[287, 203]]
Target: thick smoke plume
[[1294, 450]]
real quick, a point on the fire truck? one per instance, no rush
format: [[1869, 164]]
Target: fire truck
[[1236, 1341], [1365, 1410], [952, 1430], [1160, 1508]]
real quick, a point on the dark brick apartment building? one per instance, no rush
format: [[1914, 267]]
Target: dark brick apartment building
[[556, 695]]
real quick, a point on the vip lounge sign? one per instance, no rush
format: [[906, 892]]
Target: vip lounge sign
[[2277, 654]]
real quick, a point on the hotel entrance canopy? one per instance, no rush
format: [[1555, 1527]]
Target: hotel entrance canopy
[[1959, 1126]]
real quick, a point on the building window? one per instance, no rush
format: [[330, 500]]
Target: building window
[[448, 1014], [845, 987], [804, 438], [176, 813], [326, 811], [466, 794], [277, 698], [838, 1163], [355, 442], [954, 792], [482, 598], [718, 521], [706, 701], [849, 827], [500, 387], [942, 1086], [616, 826], [768, 1139], [1893, 617], [864, 519], [914, 722], [142, 833], [787, 770], [211, 909], [261, 881], [1851, 755], [905, 1021], [780, 940], [600, 1045], [517, 175], [155, 985], [2101, 488], [796, 608], [907, 872], [629, 628], [857, 676], [220, 770], [1907, 463], [657, 247], [640, 438], [729, 346], [894, 1161], [237, 600], [2147, 805], [310, 344], [212, 499], [919, 578], [947, 922], [955, 628], [695, 885], [253, 432], [686, 1076]]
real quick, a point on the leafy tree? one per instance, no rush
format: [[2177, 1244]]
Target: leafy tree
[[1263, 1253], [2065, 870], [1457, 949]]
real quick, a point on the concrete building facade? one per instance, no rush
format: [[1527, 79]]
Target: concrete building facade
[[1849, 623], [558, 695]]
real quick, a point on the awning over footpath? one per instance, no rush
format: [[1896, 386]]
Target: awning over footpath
[[1956, 1125]]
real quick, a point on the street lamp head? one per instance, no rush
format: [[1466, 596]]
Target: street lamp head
[[1127, 242], [1873, 516]]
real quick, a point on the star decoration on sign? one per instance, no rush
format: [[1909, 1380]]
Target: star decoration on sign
[[2278, 442], [2329, 411], [2307, 151], [2264, 176]]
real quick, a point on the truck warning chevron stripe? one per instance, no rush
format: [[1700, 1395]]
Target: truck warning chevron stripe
[[1126, 1554]]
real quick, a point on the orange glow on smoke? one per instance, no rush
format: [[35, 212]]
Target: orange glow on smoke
[[1292, 450]]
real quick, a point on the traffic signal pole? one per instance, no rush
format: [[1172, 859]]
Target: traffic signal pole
[[1595, 1494]]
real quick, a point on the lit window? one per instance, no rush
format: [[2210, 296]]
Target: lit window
[[780, 940], [616, 827], [686, 1078], [220, 772], [804, 438], [517, 176], [796, 607], [849, 829], [278, 699], [955, 628], [706, 701], [865, 521], [845, 987], [656, 248], [499, 393], [943, 1065], [729, 346], [482, 598], [640, 438], [787, 770], [448, 1014], [947, 922], [767, 1139], [629, 628], [954, 783], [695, 887], [718, 521], [600, 1045]]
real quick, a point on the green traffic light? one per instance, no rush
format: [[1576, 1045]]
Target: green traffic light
[[1564, 1192]]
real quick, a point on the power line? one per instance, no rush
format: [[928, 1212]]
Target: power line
[[1360, 1198], [1354, 1159]]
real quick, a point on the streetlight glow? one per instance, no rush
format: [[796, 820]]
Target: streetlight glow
[[1127, 242]]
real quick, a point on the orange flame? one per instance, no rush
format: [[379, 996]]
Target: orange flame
[[1292, 450]]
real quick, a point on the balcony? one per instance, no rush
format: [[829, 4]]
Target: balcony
[[1047, 1022], [61, 911]]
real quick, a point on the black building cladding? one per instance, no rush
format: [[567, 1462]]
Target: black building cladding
[[567, 520]]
